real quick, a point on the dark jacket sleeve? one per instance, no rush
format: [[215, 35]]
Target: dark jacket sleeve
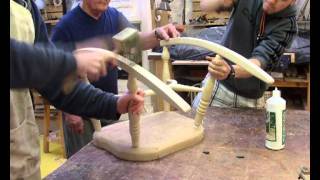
[[84, 100], [36, 66], [279, 35]]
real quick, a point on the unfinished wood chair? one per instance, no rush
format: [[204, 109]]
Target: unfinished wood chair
[[159, 134]]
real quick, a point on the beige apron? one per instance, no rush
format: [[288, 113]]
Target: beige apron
[[24, 132]]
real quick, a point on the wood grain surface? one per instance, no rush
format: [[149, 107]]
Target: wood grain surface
[[233, 148]]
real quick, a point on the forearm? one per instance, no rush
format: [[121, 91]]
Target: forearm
[[215, 5], [35, 66], [279, 34], [85, 100], [148, 40], [241, 73]]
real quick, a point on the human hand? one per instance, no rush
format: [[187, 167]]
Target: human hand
[[102, 42], [131, 102], [168, 31], [75, 123], [218, 67], [93, 63]]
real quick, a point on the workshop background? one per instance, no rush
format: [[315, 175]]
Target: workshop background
[[291, 74]]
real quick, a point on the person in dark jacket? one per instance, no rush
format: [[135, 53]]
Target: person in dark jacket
[[259, 30], [87, 25], [25, 68], [45, 68]]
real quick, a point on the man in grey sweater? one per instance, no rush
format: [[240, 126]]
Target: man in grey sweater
[[259, 30]]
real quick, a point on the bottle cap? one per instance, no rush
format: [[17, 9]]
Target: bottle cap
[[276, 92]]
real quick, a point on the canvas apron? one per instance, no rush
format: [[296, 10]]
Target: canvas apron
[[24, 132]]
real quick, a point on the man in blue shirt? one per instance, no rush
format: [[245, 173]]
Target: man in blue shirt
[[87, 25]]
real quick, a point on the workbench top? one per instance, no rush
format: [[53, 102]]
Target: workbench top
[[233, 148]]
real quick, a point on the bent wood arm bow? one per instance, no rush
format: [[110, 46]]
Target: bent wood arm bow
[[224, 52]]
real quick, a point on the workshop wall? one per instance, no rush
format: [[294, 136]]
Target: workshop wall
[[177, 11]]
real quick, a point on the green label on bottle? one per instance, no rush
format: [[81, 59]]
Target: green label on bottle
[[283, 126], [271, 128]]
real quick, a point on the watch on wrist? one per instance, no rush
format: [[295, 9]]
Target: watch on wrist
[[232, 73], [157, 34]]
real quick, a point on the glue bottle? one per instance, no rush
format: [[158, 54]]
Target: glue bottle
[[275, 121]]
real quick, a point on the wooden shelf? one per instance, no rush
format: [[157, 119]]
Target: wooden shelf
[[207, 24], [190, 63], [51, 21], [291, 82], [295, 83]]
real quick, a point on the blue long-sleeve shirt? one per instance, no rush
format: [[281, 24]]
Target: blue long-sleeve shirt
[[77, 26]]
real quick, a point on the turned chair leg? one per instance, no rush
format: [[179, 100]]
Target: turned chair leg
[[205, 100], [46, 127], [134, 119], [61, 133], [165, 73]]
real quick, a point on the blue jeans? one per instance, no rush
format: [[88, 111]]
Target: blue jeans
[[222, 97]]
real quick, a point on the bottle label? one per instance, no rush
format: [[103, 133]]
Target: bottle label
[[283, 127], [271, 127]]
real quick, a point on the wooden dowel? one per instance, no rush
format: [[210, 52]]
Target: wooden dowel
[[134, 119], [165, 73], [96, 124], [185, 88], [177, 88]]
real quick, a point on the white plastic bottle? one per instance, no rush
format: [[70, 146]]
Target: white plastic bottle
[[275, 123]]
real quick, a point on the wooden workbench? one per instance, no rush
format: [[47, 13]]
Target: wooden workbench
[[233, 148]]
